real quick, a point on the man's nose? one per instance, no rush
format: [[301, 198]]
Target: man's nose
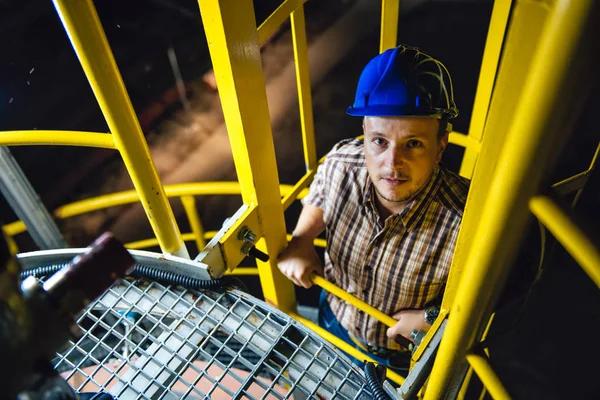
[[395, 157]]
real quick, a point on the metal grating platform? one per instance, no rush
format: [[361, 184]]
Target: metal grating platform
[[147, 340]]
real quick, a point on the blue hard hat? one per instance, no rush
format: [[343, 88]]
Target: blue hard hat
[[404, 81]]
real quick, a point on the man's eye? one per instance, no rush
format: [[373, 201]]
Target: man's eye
[[379, 142], [413, 144]]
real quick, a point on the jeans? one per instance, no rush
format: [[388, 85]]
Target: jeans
[[398, 362]]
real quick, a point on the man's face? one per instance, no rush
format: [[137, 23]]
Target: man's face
[[401, 154]]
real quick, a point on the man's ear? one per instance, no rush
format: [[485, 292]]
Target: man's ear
[[442, 143]]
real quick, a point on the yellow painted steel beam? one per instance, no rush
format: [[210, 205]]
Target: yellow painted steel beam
[[278, 17], [570, 236], [188, 237], [518, 172], [299, 190], [487, 79], [131, 196], [14, 228], [231, 32], [243, 271], [83, 26], [356, 302], [57, 138], [488, 377], [304, 91], [390, 10], [189, 204], [152, 242], [340, 344], [591, 168], [468, 142]]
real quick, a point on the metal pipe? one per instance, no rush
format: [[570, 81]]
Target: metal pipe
[[25, 202], [488, 377], [570, 236], [389, 24], [189, 204], [81, 22], [485, 84], [517, 175], [57, 138], [356, 302], [303, 83]]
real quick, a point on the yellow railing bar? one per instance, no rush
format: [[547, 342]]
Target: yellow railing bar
[[57, 138], [14, 228], [274, 21], [189, 204], [389, 24], [303, 83], [299, 190], [590, 169], [340, 344], [356, 302], [243, 271], [188, 237], [516, 175], [145, 243], [468, 142], [488, 377], [485, 84], [83, 26], [568, 234], [131, 196], [467, 380], [577, 181]]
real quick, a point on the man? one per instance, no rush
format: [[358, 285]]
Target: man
[[390, 212]]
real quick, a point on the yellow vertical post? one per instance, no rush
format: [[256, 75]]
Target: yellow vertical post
[[230, 28], [303, 83], [189, 205], [487, 78], [389, 24], [537, 127], [83, 26]]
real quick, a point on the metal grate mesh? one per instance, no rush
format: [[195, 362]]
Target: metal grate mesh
[[146, 340]]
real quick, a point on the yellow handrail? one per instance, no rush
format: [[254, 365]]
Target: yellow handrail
[[60, 138], [488, 377], [87, 36], [570, 236], [355, 301]]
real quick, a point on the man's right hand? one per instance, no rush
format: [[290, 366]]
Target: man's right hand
[[299, 260]]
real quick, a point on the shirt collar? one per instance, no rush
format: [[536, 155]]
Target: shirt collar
[[415, 209]]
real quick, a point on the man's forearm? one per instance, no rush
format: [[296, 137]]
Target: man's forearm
[[310, 223]]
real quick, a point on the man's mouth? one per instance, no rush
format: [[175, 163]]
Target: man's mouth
[[395, 181]]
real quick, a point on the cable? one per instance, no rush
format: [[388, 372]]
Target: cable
[[373, 382], [144, 272]]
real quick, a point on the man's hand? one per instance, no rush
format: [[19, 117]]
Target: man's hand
[[408, 321], [299, 260]]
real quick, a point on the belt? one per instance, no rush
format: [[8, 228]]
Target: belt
[[380, 351]]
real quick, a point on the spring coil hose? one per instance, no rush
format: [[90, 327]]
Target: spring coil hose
[[143, 272], [374, 384]]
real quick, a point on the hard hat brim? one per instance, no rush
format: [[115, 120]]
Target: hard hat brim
[[390, 111]]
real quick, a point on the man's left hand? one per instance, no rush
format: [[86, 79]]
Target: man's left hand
[[408, 321]]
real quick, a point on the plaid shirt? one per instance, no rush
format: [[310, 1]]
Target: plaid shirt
[[399, 263]]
